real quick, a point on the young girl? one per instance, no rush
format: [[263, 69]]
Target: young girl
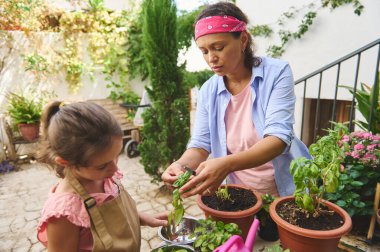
[[89, 209]]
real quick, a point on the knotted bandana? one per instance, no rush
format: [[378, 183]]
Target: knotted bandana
[[218, 24]]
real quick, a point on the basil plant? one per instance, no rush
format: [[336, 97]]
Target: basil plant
[[314, 177]]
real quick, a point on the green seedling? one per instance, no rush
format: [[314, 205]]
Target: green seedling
[[222, 193], [177, 213]]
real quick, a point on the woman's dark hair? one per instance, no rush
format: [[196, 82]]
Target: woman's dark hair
[[230, 9], [75, 132]]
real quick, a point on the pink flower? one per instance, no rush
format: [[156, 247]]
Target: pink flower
[[345, 138], [358, 147], [367, 135], [355, 154], [341, 168], [371, 147]]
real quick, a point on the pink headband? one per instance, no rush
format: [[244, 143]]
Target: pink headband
[[218, 24]]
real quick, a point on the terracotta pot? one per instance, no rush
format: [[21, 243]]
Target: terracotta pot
[[29, 131], [243, 218], [300, 239]]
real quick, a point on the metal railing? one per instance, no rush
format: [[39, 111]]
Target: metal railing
[[337, 63]]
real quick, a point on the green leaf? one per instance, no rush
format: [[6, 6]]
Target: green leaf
[[356, 183], [341, 203], [307, 202], [178, 214]]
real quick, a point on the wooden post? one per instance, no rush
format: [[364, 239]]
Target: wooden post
[[375, 208]]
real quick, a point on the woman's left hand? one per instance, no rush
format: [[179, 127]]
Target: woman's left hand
[[155, 220], [210, 174]]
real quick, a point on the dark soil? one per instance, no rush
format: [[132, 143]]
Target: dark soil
[[327, 220], [241, 199]]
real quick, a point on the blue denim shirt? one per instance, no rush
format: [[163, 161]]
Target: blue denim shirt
[[272, 114]]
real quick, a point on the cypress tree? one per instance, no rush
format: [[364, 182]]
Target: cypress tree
[[166, 122]]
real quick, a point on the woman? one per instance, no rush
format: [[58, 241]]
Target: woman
[[245, 113]]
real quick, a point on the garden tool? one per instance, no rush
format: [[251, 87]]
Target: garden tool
[[235, 243]]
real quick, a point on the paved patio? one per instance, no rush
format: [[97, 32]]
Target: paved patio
[[23, 193]]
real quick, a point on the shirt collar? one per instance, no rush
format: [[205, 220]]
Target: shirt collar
[[258, 72]]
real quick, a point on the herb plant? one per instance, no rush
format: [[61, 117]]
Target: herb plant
[[171, 250], [176, 215], [275, 248], [211, 234], [222, 193], [313, 177]]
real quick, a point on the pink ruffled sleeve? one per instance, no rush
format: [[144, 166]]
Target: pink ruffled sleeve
[[71, 207]]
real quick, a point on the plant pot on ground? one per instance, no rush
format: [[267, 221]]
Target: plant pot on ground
[[299, 239], [240, 208], [305, 221], [268, 228]]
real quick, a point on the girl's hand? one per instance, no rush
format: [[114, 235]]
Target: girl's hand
[[155, 220], [210, 174]]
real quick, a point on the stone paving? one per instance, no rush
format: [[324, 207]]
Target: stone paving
[[23, 193]]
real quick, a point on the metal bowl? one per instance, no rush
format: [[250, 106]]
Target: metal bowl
[[173, 247], [182, 232]]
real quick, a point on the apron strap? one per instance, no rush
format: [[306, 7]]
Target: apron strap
[[93, 211]]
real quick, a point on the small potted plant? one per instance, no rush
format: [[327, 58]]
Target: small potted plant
[[268, 228], [232, 204], [307, 222], [25, 110]]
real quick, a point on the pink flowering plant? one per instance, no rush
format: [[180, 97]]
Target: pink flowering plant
[[360, 172]]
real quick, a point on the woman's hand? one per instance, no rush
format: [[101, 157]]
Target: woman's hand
[[155, 220], [171, 174], [210, 174]]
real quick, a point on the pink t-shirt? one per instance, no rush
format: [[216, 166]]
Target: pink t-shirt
[[70, 206], [241, 135]]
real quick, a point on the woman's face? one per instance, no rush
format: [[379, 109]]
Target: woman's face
[[223, 52]]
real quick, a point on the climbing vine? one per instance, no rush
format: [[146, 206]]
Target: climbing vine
[[311, 12]]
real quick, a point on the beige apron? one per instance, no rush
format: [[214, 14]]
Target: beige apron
[[115, 224]]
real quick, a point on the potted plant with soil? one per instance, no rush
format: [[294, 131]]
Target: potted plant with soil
[[232, 204], [268, 228], [25, 110], [307, 222]]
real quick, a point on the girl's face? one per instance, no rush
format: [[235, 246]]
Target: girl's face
[[104, 164], [223, 52]]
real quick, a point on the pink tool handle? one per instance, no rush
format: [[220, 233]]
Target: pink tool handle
[[235, 242], [250, 240]]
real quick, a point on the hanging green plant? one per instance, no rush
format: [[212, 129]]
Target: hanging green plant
[[37, 64]]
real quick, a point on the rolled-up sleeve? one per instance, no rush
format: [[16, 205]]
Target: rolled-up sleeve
[[200, 137], [279, 114]]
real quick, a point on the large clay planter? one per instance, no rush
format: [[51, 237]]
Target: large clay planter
[[306, 240], [243, 218], [30, 131]]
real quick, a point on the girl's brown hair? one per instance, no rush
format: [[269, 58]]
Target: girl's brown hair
[[230, 9], [75, 132]]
